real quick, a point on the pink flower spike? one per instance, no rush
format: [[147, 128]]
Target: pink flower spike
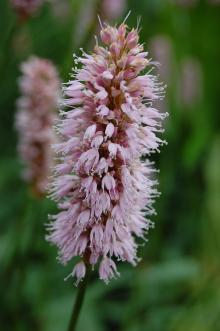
[[113, 9], [106, 192], [26, 8], [37, 113]]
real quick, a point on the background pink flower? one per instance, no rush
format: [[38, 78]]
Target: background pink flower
[[36, 115], [113, 9], [26, 8]]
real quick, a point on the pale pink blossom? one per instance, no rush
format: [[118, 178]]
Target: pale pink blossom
[[113, 9], [85, 20], [60, 9], [161, 50], [190, 82], [37, 112], [103, 188], [79, 272], [26, 8]]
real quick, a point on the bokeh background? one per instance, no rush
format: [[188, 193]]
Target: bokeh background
[[176, 286]]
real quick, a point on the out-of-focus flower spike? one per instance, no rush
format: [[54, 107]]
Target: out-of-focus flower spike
[[37, 113], [26, 8]]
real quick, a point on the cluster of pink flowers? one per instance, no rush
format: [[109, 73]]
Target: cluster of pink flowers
[[103, 187], [37, 112], [26, 8], [190, 82], [161, 49], [113, 9]]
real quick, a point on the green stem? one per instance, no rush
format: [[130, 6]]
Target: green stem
[[79, 301], [5, 56]]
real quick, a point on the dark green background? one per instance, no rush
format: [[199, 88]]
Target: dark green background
[[176, 286]]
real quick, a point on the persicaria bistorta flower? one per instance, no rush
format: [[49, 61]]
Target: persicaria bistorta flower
[[37, 113], [113, 9], [102, 186], [26, 8]]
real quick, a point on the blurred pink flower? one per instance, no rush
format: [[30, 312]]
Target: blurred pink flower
[[102, 186], [191, 81], [26, 8], [61, 9], [36, 115], [86, 15], [113, 9], [161, 51]]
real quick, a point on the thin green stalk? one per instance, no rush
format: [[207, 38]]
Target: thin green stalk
[[79, 301], [6, 47]]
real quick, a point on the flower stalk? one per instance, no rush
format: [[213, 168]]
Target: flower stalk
[[79, 301]]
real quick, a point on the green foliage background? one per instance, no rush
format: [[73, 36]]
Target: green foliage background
[[176, 286]]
